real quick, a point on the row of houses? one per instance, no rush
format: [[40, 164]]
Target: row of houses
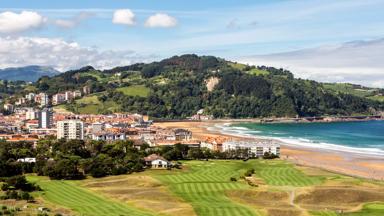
[[43, 99]]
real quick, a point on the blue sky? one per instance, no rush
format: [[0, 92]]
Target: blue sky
[[249, 31]]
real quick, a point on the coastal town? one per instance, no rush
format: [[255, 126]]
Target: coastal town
[[32, 118]]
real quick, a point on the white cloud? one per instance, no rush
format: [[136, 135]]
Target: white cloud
[[74, 21], [161, 20], [60, 54], [17, 22], [124, 17], [358, 62]]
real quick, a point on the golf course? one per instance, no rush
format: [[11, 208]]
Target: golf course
[[216, 187]]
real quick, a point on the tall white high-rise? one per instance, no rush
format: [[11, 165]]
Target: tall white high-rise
[[45, 118], [70, 129]]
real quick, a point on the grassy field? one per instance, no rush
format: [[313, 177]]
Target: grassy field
[[205, 184], [135, 90], [91, 105], [82, 201], [253, 71], [283, 174], [141, 191], [204, 188], [348, 88], [377, 98], [257, 72]]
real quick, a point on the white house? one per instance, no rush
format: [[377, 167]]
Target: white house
[[27, 160], [157, 162], [109, 136]]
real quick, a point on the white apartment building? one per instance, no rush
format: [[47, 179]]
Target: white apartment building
[[31, 114], [45, 118], [30, 96], [109, 136], [68, 95], [77, 94], [70, 129], [258, 149], [44, 99], [58, 99]]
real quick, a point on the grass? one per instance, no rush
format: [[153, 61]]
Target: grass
[[142, 191], [204, 188], [370, 209], [349, 89], [279, 173], [82, 201], [135, 90], [91, 105], [377, 98], [205, 185], [253, 71], [257, 72]]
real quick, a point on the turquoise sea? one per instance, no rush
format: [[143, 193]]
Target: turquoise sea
[[355, 137]]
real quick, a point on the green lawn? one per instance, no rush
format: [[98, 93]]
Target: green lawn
[[257, 72], [280, 173], [135, 90], [82, 201], [204, 186], [377, 98], [91, 105], [348, 89], [371, 209], [253, 71]]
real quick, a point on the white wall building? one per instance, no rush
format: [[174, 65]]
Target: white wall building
[[109, 136], [44, 99], [30, 96], [70, 129], [31, 114], [58, 98], [45, 118], [256, 148]]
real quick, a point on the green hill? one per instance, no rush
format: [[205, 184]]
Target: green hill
[[178, 87]]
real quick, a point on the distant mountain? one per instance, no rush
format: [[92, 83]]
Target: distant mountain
[[28, 73]]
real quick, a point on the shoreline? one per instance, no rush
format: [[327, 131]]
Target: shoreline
[[351, 164]]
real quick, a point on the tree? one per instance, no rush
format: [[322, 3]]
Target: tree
[[195, 153]]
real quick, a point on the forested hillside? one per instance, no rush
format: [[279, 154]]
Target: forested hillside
[[177, 88]]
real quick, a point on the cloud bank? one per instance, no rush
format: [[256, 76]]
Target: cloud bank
[[11, 22], [61, 54], [358, 62]]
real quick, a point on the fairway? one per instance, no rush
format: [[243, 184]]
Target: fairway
[[82, 201], [279, 173], [204, 186]]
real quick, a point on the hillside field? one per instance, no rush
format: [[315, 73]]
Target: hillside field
[[134, 90], [217, 187]]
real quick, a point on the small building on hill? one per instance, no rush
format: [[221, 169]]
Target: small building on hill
[[155, 161]]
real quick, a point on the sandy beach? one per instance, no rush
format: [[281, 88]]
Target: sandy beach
[[334, 161]]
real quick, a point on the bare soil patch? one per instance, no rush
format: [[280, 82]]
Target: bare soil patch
[[338, 197], [143, 192]]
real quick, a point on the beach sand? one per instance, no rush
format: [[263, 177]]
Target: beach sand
[[334, 161]]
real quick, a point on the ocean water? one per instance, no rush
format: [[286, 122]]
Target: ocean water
[[355, 137]]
